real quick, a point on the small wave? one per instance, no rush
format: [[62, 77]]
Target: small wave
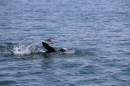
[[5, 52], [5, 49]]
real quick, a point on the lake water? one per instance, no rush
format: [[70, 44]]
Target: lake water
[[98, 31]]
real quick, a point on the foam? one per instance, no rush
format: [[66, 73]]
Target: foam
[[25, 47]]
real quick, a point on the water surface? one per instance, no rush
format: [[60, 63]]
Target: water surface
[[98, 31]]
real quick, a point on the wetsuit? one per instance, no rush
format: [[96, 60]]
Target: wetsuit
[[49, 48]]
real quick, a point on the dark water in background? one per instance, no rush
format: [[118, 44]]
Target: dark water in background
[[98, 31]]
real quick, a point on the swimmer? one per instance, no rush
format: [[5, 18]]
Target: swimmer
[[50, 49]]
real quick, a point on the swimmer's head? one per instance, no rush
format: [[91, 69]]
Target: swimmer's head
[[63, 50]]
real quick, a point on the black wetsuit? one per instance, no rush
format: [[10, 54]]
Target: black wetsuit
[[49, 48]]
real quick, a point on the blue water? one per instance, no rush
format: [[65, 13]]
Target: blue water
[[98, 31]]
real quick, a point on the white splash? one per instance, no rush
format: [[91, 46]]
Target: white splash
[[25, 48]]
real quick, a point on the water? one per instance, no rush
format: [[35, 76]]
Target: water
[[98, 31]]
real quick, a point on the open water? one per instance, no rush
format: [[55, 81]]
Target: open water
[[98, 31]]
